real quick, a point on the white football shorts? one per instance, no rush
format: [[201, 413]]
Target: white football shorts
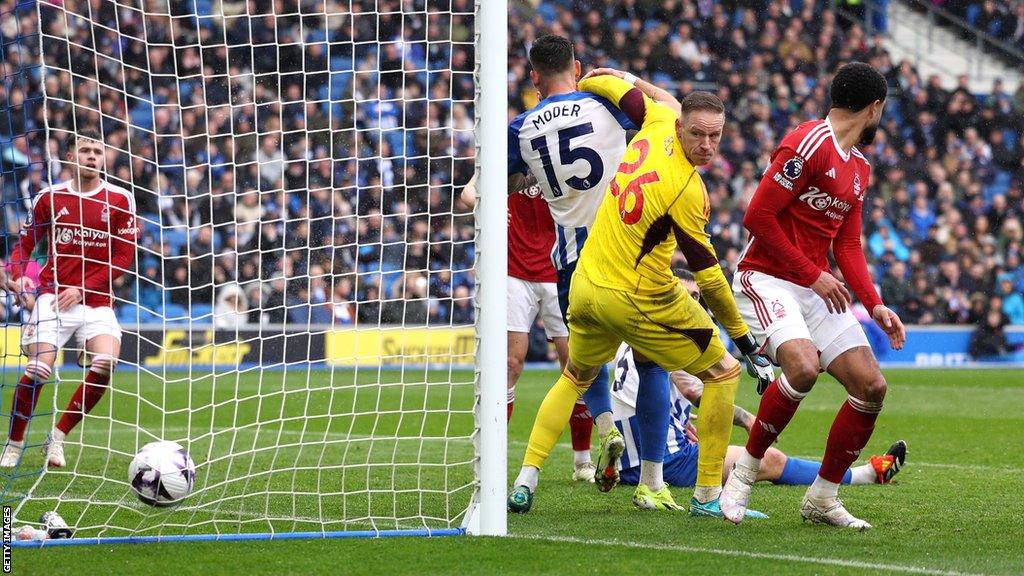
[[778, 311], [528, 300], [46, 326]]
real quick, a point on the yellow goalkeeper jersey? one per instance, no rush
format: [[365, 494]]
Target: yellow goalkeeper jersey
[[655, 203]]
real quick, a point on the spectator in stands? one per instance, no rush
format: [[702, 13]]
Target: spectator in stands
[[989, 339], [1013, 301], [232, 309]]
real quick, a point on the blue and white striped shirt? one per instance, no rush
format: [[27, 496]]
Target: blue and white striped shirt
[[572, 143]]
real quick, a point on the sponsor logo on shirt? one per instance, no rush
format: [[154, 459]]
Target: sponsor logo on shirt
[[820, 200], [76, 235], [831, 173], [131, 229], [61, 213]]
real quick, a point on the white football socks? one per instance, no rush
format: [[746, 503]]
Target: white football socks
[[651, 475], [528, 477], [705, 494], [864, 474], [580, 457], [604, 423], [822, 489], [747, 467]]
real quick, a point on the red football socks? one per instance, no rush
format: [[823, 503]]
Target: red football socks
[[778, 405], [83, 400], [25, 397], [581, 426], [850, 433]]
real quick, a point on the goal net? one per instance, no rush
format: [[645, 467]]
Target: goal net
[[300, 315]]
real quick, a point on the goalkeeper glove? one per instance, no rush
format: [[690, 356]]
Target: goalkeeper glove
[[758, 365]]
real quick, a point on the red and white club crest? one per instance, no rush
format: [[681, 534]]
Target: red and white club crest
[[857, 192], [105, 214], [778, 309]]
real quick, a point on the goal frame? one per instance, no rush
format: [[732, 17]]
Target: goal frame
[[486, 514]]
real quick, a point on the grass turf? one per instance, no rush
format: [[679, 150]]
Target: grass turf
[[955, 508]]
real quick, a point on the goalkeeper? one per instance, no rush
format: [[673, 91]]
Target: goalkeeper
[[91, 225], [623, 290]]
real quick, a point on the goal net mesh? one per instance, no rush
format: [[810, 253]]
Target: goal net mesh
[[300, 312]]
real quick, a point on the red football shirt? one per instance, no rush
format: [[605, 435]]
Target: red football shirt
[[810, 199], [531, 235], [91, 239]]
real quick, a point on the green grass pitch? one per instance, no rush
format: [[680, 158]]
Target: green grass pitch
[[956, 508]]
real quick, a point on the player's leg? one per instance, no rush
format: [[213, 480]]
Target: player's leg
[[783, 329], [554, 412], [590, 346], [561, 350], [581, 422], [850, 361], [38, 369], [522, 308], [778, 468], [41, 338], [103, 352], [716, 420], [595, 402], [679, 469], [675, 333], [518, 345], [100, 338], [652, 402]]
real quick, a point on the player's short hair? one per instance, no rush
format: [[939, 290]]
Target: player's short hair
[[682, 273], [700, 100], [551, 54], [87, 134], [856, 85]]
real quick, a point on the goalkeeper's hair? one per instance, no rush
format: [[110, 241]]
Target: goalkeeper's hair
[[551, 54], [856, 85], [702, 101]]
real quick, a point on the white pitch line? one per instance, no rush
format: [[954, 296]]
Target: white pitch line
[[758, 555]]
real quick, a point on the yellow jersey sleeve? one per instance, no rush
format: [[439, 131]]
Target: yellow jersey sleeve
[[689, 214], [639, 107]]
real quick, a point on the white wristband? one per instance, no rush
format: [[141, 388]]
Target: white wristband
[[629, 78]]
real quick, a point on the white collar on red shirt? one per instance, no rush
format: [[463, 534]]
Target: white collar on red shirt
[[835, 141], [70, 187]]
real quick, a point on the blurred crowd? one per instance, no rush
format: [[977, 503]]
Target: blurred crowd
[[1000, 20], [296, 161], [943, 223], [293, 161]]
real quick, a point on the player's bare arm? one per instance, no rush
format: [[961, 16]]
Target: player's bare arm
[[468, 195]]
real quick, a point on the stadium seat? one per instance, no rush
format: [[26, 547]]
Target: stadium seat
[[202, 313], [175, 314]]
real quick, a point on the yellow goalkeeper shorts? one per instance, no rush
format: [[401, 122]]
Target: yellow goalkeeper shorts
[[669, 328]]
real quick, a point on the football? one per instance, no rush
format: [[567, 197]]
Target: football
[[162, 473]]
